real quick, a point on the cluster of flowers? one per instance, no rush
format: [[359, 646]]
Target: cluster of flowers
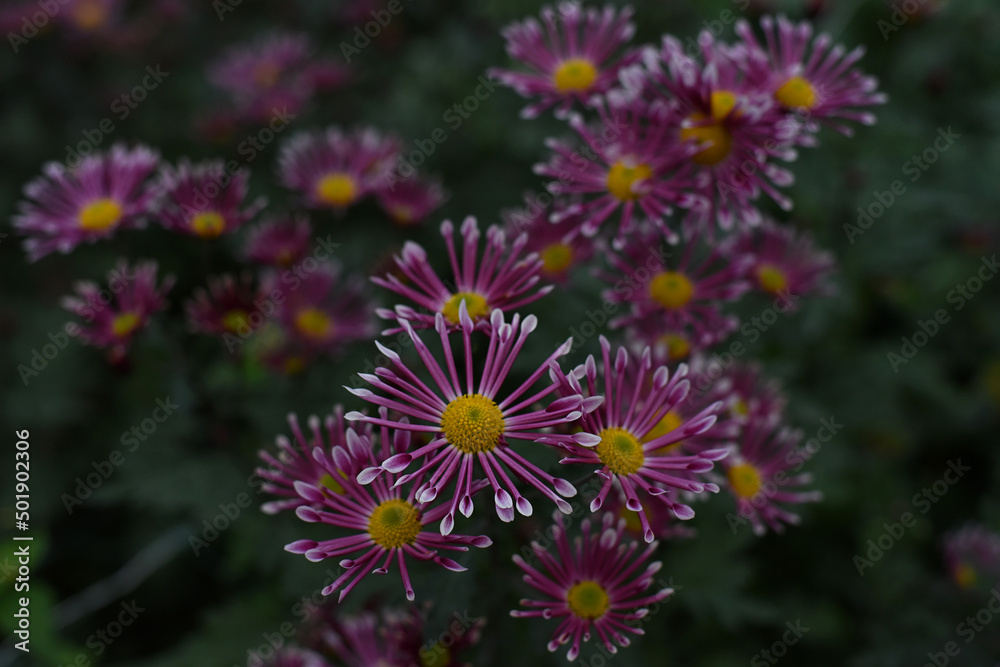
[[972, 556]]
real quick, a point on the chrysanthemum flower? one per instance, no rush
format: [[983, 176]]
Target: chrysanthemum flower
[[407, 630], [224, 306], [384, 523], [628, 440], [295, 461], [332, 169], [972, 555], [558, 244], [809, 76], [504, 278], [410, 200], [471, 421], [114, 314], [295, 657], [785, 262], [630, 162], [322, 309], [203, 200], [591, 585], [762, 474], [678, 294], [743, 390], [279, 242], [359, 641], [571, 59], [103, 193]]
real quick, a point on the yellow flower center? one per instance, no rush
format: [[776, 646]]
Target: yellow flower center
[[556, 258], [394, 523], [588, 600], [89, 14], [266, 74], [337, 189], [671, 289], [723, 102], [472, 423], [125, 323], [620, 451], [713, 133], [668, 422], [796, 93], [678, 346], [740, 407], [314, 323], [235, 320], [99, 215], [965, 575], [437, 655], [771, 278], [574, 74], [745, 480], [402, 215], [208, 224], [632, 522], [331, 483], [474, 303], [621, 176]]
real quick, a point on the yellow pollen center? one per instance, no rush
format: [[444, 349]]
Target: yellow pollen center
[[329, 482], [740, 407], [556, 258], [744, 479], [235, 320], [588, 600], [437, 655], [208, 224], [671, 289], [796, 93], [668, 422], [621, 176], [474, 303], [620, 451], [771, 278], [472, 423], [632, 522], [678, 346], [266, 74], [89, 15], [704, 131], [336, 189], [574, 75], [99, 215], [723, 102], [965, 575], [314, 323], [394, 523], [124, 324]]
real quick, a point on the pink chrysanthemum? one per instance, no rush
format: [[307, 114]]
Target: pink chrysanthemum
[[407, 630], [626, 438], [630, 162], [972, 555], [103, 193], [471, 421], [294, 657], [360, 641], [113, 315], [809, 76], [332, 169], [743, 389], [785, 263], [323, 310], [408, 201], [203, 200], [558, 244], [675, 294], [224, 306], [279, 242], [572, 57], [763, 473], [381, 520], [591, 585], [296, 462], [504, 278]]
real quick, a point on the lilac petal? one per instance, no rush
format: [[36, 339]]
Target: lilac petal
[[502, 499], [482, 541], [506, 514], [397, 462], [563, 488], [683, 512], [587, 439], [315, 555], [308, 491], [450, 564], [523, 506], [447, 524], [368, 475], [300, 546], [633, 505], [307, 514], [465, 506]]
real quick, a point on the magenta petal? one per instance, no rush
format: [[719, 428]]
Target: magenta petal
[[307, 514], [397, 463], [308, 491], [300, 546], [450, 564], [368, 475]]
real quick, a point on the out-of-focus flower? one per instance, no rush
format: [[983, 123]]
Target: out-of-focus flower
[[279, 241], [408, 201], [203, 200], [972, 555], [224, 307]]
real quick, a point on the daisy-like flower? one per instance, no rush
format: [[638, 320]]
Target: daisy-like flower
[[203, 200], [591, 585], [785, 262], [572, 57], [504, 278], [809, 76], [627, 439], [972, 555], [113, 315], [103, 193], [675, 294], [558, 244], [763, 475], [743, 389], [323, 310], [295, 461], [383, 523], [279, 242], [471, 421], [630, 162], [224, 306], [360, 640], [333, 169], [410, 200]]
